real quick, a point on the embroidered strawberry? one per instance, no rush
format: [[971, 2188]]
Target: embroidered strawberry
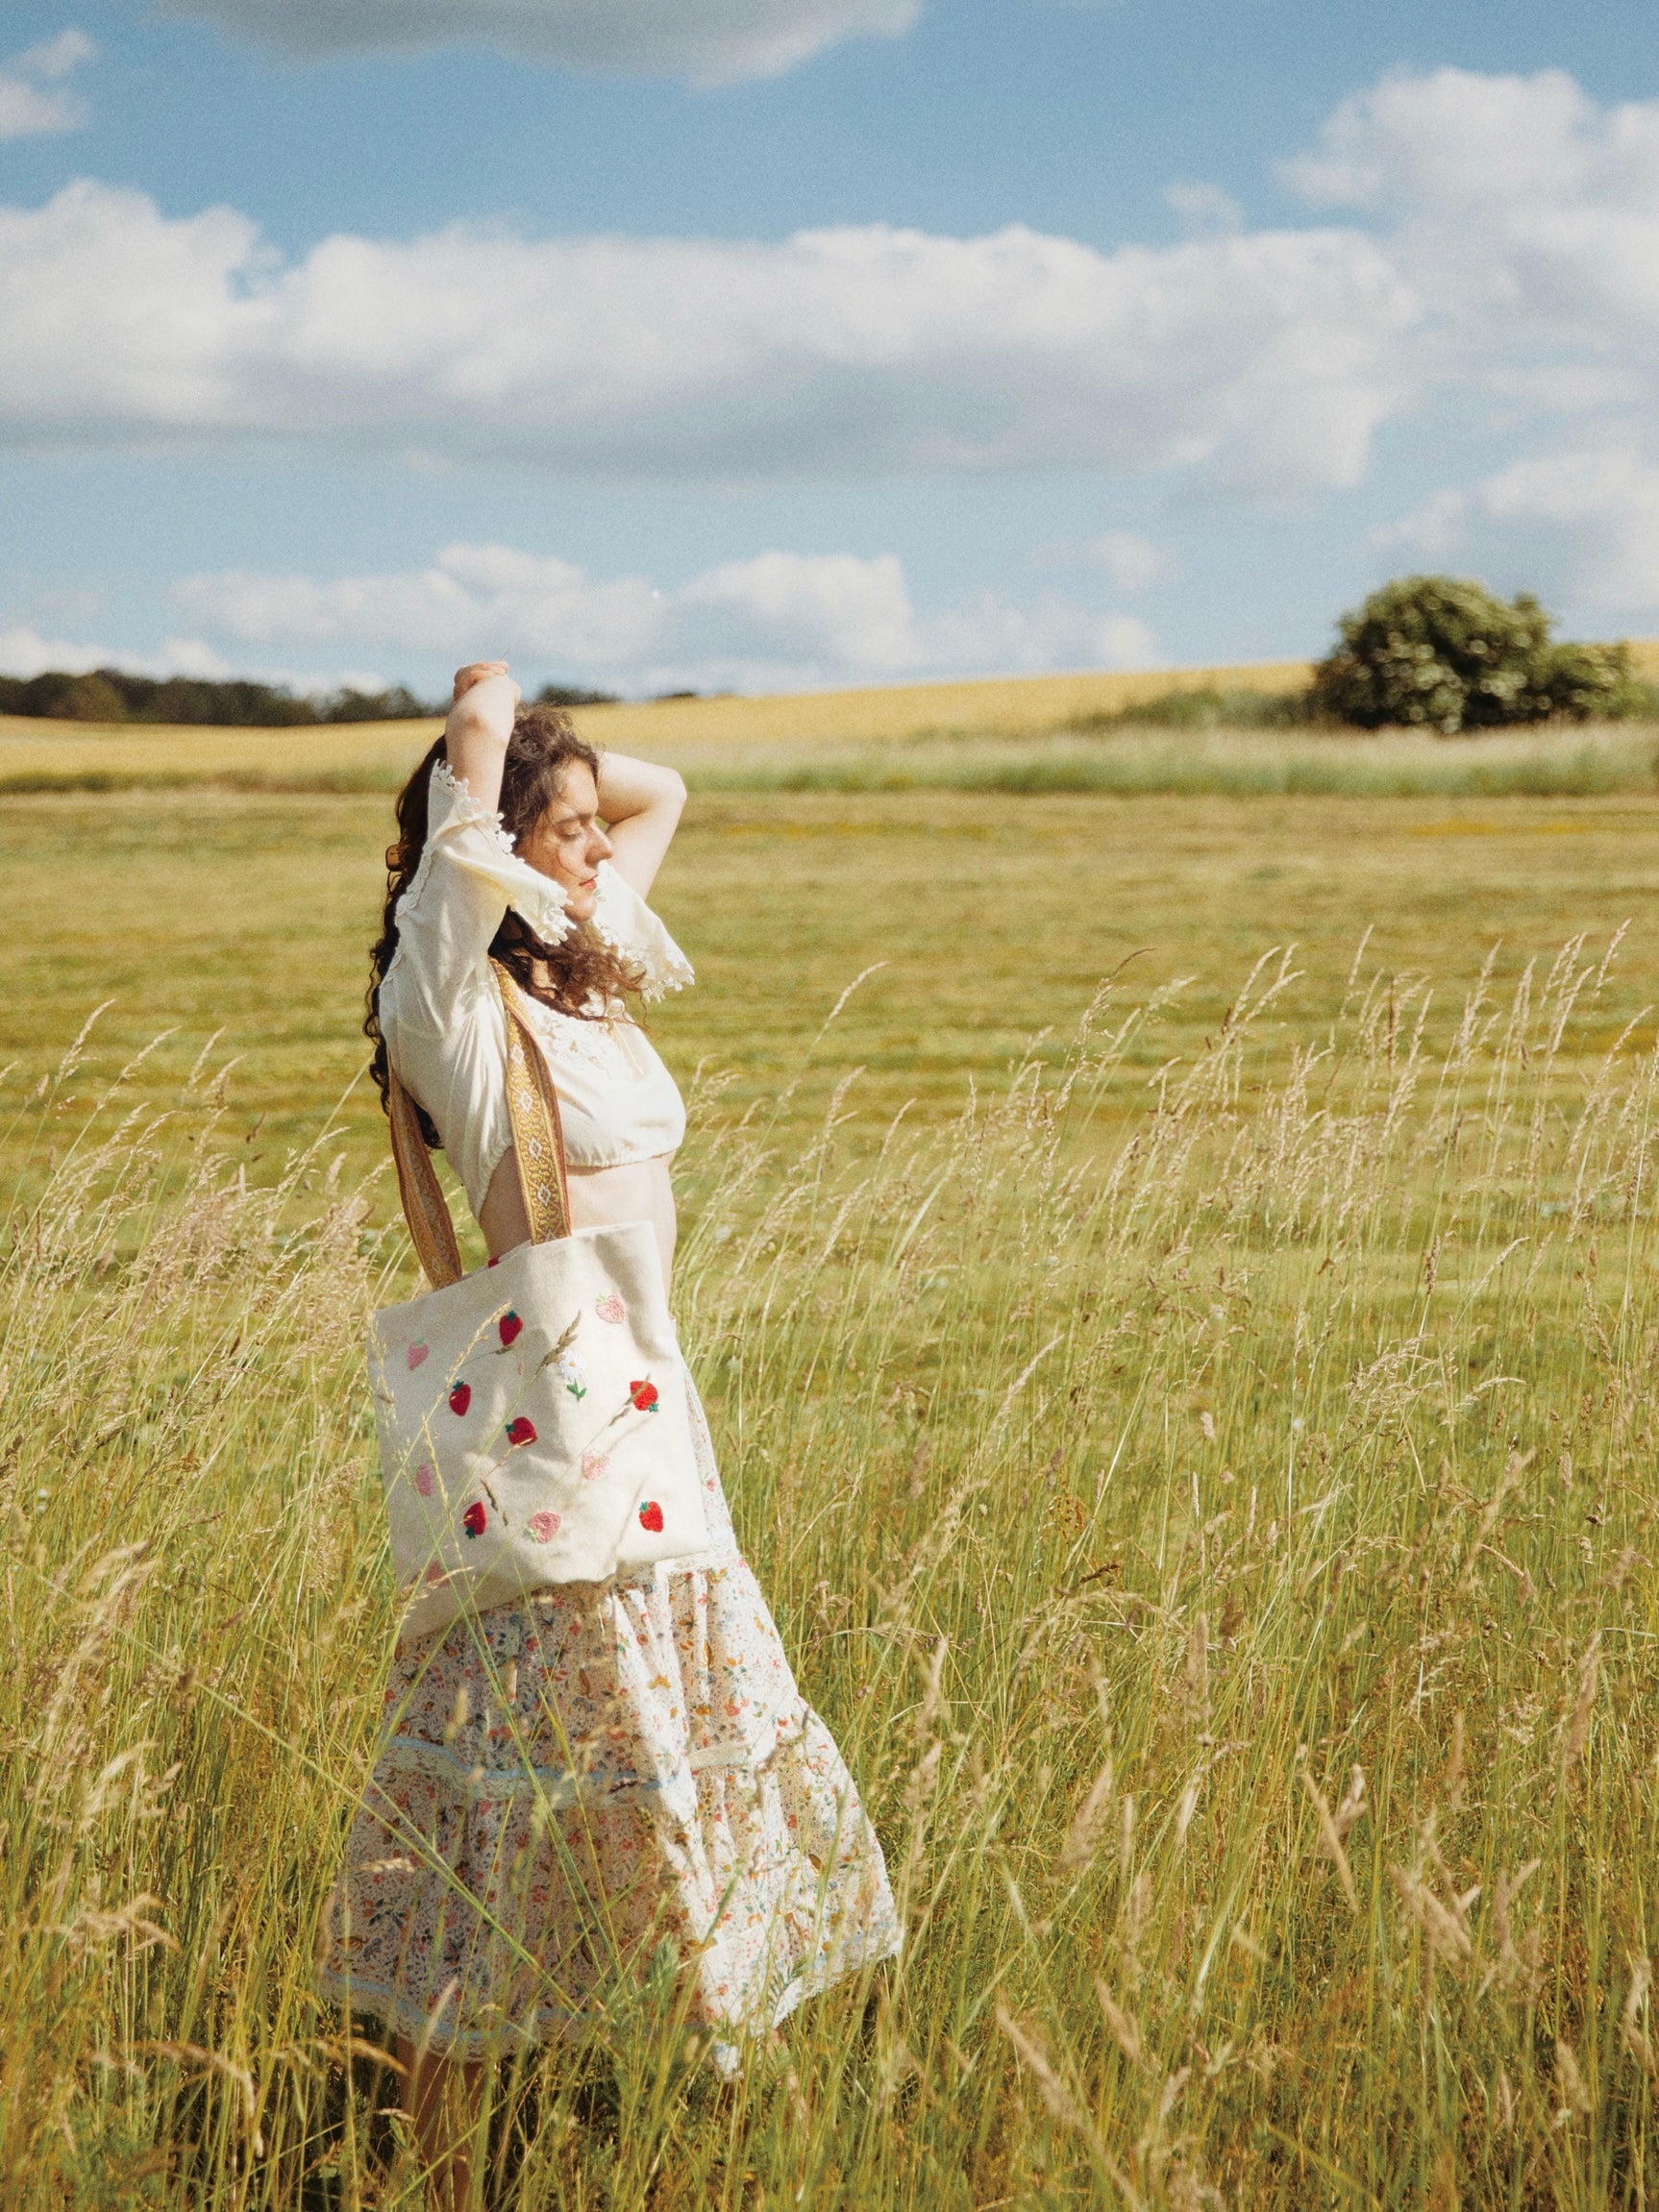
[[415, 1354], [650, 1516], [434, 1573], [520, 1430], [510, 1327], [543, 1527], [496, 1262], [423, 1480], [643, 1396], [474, 1519], [611, 1309], [594, 1465], [461, 1397]]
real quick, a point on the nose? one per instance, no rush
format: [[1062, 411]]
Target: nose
[[598, 845]]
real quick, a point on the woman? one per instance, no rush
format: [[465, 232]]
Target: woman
[[573, 1779]]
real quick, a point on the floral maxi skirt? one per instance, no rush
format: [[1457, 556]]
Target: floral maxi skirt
[[567, 1784]]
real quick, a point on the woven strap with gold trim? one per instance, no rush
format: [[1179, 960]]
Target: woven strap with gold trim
[[537, 1141]]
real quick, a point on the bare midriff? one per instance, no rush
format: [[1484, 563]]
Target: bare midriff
[[600, 1198]]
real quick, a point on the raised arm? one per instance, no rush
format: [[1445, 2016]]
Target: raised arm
[[641, 804], [479, 725]]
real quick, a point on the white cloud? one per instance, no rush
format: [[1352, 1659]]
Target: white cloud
[[1260, 363], [35, 101], [1579, 526], [710, 41], [776, 622], [1521, 210], [1132, 561]]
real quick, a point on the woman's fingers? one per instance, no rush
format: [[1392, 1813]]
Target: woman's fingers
[[475, 671]]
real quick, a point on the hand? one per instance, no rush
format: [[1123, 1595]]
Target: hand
[[476, 672]]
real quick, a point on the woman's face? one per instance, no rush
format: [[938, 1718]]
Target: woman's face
[[568, 843]]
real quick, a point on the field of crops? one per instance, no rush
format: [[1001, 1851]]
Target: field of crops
[[1198, 1436]]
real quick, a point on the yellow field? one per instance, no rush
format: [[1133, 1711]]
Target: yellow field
[[1197, 1440], [662, 729]]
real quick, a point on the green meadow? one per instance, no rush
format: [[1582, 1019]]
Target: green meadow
[[1173, 1275]]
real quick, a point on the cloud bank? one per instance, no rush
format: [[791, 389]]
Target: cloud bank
[[1255, 362], [709, 41], [1504, 242], [781, 620]]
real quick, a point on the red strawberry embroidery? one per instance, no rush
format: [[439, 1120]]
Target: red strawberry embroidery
[[461, 1397], [474, 1519], [650, 1516], [521, 1431], [510, 1327], [644, 1396]]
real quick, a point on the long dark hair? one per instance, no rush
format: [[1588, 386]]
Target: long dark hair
[[580, 974]]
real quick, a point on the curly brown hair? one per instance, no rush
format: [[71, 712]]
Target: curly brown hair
[[581, 976]]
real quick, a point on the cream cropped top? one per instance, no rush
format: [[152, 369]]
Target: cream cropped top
[[441, 1017]]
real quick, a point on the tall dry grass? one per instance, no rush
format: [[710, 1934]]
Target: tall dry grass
[[1223, 1547]]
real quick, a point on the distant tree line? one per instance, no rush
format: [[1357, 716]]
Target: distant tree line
[[110, 695]]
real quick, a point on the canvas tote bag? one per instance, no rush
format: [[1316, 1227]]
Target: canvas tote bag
[[531, 1414]]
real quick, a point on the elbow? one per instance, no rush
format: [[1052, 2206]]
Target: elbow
[[674, 793]]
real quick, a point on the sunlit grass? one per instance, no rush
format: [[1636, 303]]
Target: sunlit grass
[[1220, 1536]]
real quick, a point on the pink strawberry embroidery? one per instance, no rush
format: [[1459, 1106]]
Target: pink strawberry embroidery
[[474, 1519], [594, 1465], [423, 1480], [461, 1397], [644, 1396], [543, 1527], [415, 1354], [650, 1516], [611, 1309], [521, 1431], [510, 1327], [434, 1573]]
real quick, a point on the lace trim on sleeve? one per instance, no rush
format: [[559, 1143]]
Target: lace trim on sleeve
[[461, 810], [629, 927]]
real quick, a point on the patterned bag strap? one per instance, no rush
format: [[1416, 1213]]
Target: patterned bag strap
[[538, 1146], [537, 1126]]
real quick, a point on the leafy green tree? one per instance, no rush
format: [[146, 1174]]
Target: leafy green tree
[[1443, 652]]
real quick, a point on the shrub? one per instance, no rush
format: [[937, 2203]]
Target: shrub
[[1443, 652], [1203, 708]]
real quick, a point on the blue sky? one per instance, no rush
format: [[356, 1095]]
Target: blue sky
[[754, 343]]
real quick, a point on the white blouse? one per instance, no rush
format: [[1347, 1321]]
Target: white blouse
[[441, 1017]]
